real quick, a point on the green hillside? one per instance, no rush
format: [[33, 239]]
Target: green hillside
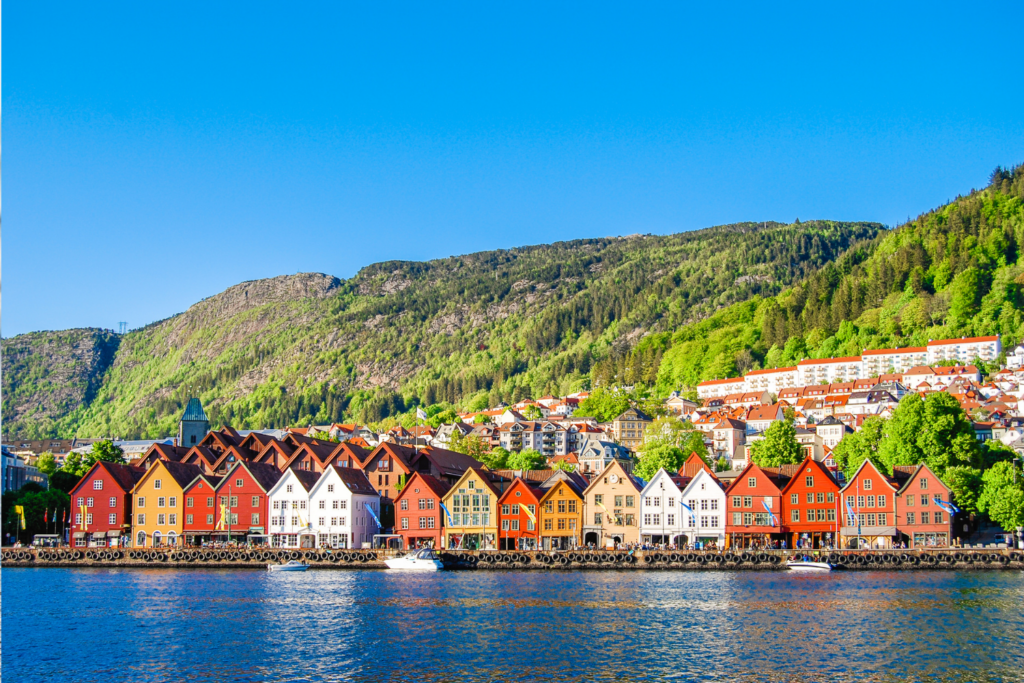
[[471, 330], [955, 271]]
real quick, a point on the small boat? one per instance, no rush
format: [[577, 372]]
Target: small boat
[[290, 566], [808, 566], [425, 560]]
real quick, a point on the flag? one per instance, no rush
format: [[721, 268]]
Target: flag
[[46, 516], [369, 508], [947, 506], [526, 509], [85, 524], [223, 517], [771, 515], [693, 515], [850, 512], [20, 511], [447, 512], [421, 414]]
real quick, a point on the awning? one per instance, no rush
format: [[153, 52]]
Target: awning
[[113, 534], [869, 531], [79, 534], [99, 534]]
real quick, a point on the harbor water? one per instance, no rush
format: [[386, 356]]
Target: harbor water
[[237, 625]]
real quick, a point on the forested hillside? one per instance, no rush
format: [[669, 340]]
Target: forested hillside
[[955, 271], [471, 330]]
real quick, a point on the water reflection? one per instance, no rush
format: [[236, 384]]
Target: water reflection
[[162, 625]]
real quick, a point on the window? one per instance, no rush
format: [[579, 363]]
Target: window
[[871, 520], [188, 519], [748, 518], [255, 519], [547, 525], [937, 517], [89, 502], [209, 502], [629, 501], [190, 502], [234, 501], [794, 498], [597, 518], [737, 518], [831, 496], [288, 488], [255, 501], [924, 482], [670, 520], [598, 499], [302, 505], [910, 500], [911, 518], [112, 519], [172, 518], [209, 519], [752, 482], [239, 483], [925, 518], [810, 497], [657, 519], [796, 515], [831, 515], [330, 488], [748, 501], [156, 483], [572, 506], [161, 519], [860, 502], [142, 519], [97, 484], [866, 484], [821, 497], [811, 516], [882, 519], [924, 499], [871, 501], [881, 501], [160, 502], [809, 482], [630, 520], [618, 501], [736, 501]]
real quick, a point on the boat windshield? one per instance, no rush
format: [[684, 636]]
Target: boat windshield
[[425, 554]]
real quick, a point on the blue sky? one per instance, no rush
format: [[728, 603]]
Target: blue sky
[[157, 155]]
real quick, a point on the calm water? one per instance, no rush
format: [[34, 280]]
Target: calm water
[[160, 625]]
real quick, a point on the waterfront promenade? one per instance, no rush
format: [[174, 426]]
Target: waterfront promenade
[[987, 559]]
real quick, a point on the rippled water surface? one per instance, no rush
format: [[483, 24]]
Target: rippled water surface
[[164, 625]]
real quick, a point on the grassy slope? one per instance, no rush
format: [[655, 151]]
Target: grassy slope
[[471, 329]]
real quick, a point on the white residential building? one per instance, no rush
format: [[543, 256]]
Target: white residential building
[[290, 524], [340, 504], [772, 380], [884, 361], [706, 497], [828, 370], [720, 387], [965, 349], [661, 518]]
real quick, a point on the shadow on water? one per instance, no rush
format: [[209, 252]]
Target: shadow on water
[[223, 625]]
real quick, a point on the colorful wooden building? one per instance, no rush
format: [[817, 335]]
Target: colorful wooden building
[[754, 506], [472, 505], [612, 508], [810, 505], [200, 509], [869, 508], [921, 518], [159, 505], [561, 511], [517, 516], [419, 519], [102, 505]]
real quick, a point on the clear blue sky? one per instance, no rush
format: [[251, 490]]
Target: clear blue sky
[[155, 154]]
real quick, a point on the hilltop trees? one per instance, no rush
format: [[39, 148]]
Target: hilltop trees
[[778, 447]]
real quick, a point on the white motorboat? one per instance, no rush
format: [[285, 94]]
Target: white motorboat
[[424, 560], [290, 566], [808, 566]]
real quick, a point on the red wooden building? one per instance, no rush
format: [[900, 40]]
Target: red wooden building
[[753, 504], [419, 519], [200, 509], [921, 521], [242, 495], [810, 504], [101, 504], [869, 508], [517, 530]]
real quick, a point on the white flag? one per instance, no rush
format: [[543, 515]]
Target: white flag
[[421, 414]]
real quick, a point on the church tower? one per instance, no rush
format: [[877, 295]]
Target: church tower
[[193, 425]]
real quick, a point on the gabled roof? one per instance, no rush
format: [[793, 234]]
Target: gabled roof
[[126, 476], [868, 464], [486, 476], [436, 486], [694, 464], [306, 478], [319, 452], [757, 413], [448, 462], [166, 452], [182, 474], [200, 455], [354, 480], [213, 481], [520, 484], [263, 474], [810, 462], [623, 476]]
